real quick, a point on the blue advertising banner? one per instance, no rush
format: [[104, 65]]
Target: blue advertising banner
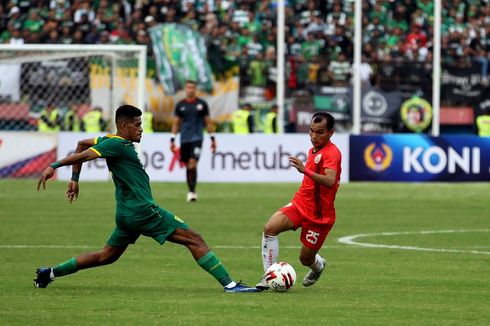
[[419, 158]]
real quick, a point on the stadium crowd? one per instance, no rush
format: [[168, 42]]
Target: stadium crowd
[[242, 33]]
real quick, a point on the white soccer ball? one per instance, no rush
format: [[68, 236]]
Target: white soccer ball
[[280, 277]]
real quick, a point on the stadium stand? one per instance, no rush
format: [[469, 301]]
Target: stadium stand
[[241, 36]]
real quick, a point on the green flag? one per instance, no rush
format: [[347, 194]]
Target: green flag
[[180, 54]]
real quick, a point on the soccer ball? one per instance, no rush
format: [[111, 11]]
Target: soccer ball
[[280, 277]]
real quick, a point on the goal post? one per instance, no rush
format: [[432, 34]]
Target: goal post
[[84, 75], [72, 78]]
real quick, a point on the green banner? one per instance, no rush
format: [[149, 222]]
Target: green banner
[[180, 53]]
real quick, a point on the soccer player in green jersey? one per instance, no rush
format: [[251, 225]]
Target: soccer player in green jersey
[[136, 212]]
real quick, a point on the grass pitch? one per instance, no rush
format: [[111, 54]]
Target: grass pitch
[[445, 283]]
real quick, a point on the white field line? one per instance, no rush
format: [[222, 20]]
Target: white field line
[[351, 240], [44, 247], [24, 246]]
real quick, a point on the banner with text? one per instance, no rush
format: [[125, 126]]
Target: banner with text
[[419, 158], [462, 85], [247, 158]]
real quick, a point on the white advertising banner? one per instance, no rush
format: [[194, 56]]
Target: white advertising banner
[[17, 147], [93, 170], [239, 158]]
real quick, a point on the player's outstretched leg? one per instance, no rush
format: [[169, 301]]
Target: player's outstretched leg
[[105, 256], [208, 260]]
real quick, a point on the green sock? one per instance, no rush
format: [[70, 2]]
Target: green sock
[[68, 267], [211, 264]]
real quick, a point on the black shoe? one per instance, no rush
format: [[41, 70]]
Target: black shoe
[[43, 277]]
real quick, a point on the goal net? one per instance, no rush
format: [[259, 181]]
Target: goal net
[[74, 79]]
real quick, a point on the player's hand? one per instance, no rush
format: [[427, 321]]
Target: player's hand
[[173, 148], [72, 191], [47, 173], [297, 164], [213, 146]]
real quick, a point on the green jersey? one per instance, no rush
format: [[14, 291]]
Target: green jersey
[[133, 193]]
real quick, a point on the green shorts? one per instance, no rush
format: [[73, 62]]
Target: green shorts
[[154, 222]]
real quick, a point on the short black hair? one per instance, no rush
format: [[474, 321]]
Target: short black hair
[[127, 111], [320, 116], [191, 81]]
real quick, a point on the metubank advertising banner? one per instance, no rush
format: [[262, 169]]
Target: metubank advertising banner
[[419, 158], [239, 158]]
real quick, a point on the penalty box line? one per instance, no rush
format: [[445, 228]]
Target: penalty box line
[[352, 240]]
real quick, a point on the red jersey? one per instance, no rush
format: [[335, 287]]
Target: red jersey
[[313, 200]]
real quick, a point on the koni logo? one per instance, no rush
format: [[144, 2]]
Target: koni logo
[[435, 160], [378, 157]]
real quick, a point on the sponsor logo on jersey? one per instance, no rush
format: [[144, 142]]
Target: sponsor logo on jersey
[[199, 107], [378, 157], [318, 158]]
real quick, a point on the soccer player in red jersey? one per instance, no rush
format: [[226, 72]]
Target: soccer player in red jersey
[[312, 207]]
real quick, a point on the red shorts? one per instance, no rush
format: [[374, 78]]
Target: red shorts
[[313, 234]]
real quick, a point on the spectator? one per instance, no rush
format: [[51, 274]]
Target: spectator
[[243, 121], [84, 10], [339, 71], [270, 124], [258, 71], [311, 47], [483, 124], [50, 119], [71, 120], [387, 76], [93, 121], [53, 37], [33, 23], [365, 71]]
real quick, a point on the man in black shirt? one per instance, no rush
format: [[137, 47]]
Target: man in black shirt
[[192, 115]]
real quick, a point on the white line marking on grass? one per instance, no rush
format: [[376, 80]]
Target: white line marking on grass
[[43, 247], [87, 247], [350, 240], [258, 247]]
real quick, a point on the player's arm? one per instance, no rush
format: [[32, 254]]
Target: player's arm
[[73, 189], [327, 179], [175, 129], [77, 158], [82, 146], [210, 128]]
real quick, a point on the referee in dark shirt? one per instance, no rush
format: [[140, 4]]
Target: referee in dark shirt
[[191, 116]]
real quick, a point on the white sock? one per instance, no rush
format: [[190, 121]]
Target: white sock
[[230, 285], [270, 250], [317, 266], [51, 274]]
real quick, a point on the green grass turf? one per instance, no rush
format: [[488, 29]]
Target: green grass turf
[[163, 285]]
